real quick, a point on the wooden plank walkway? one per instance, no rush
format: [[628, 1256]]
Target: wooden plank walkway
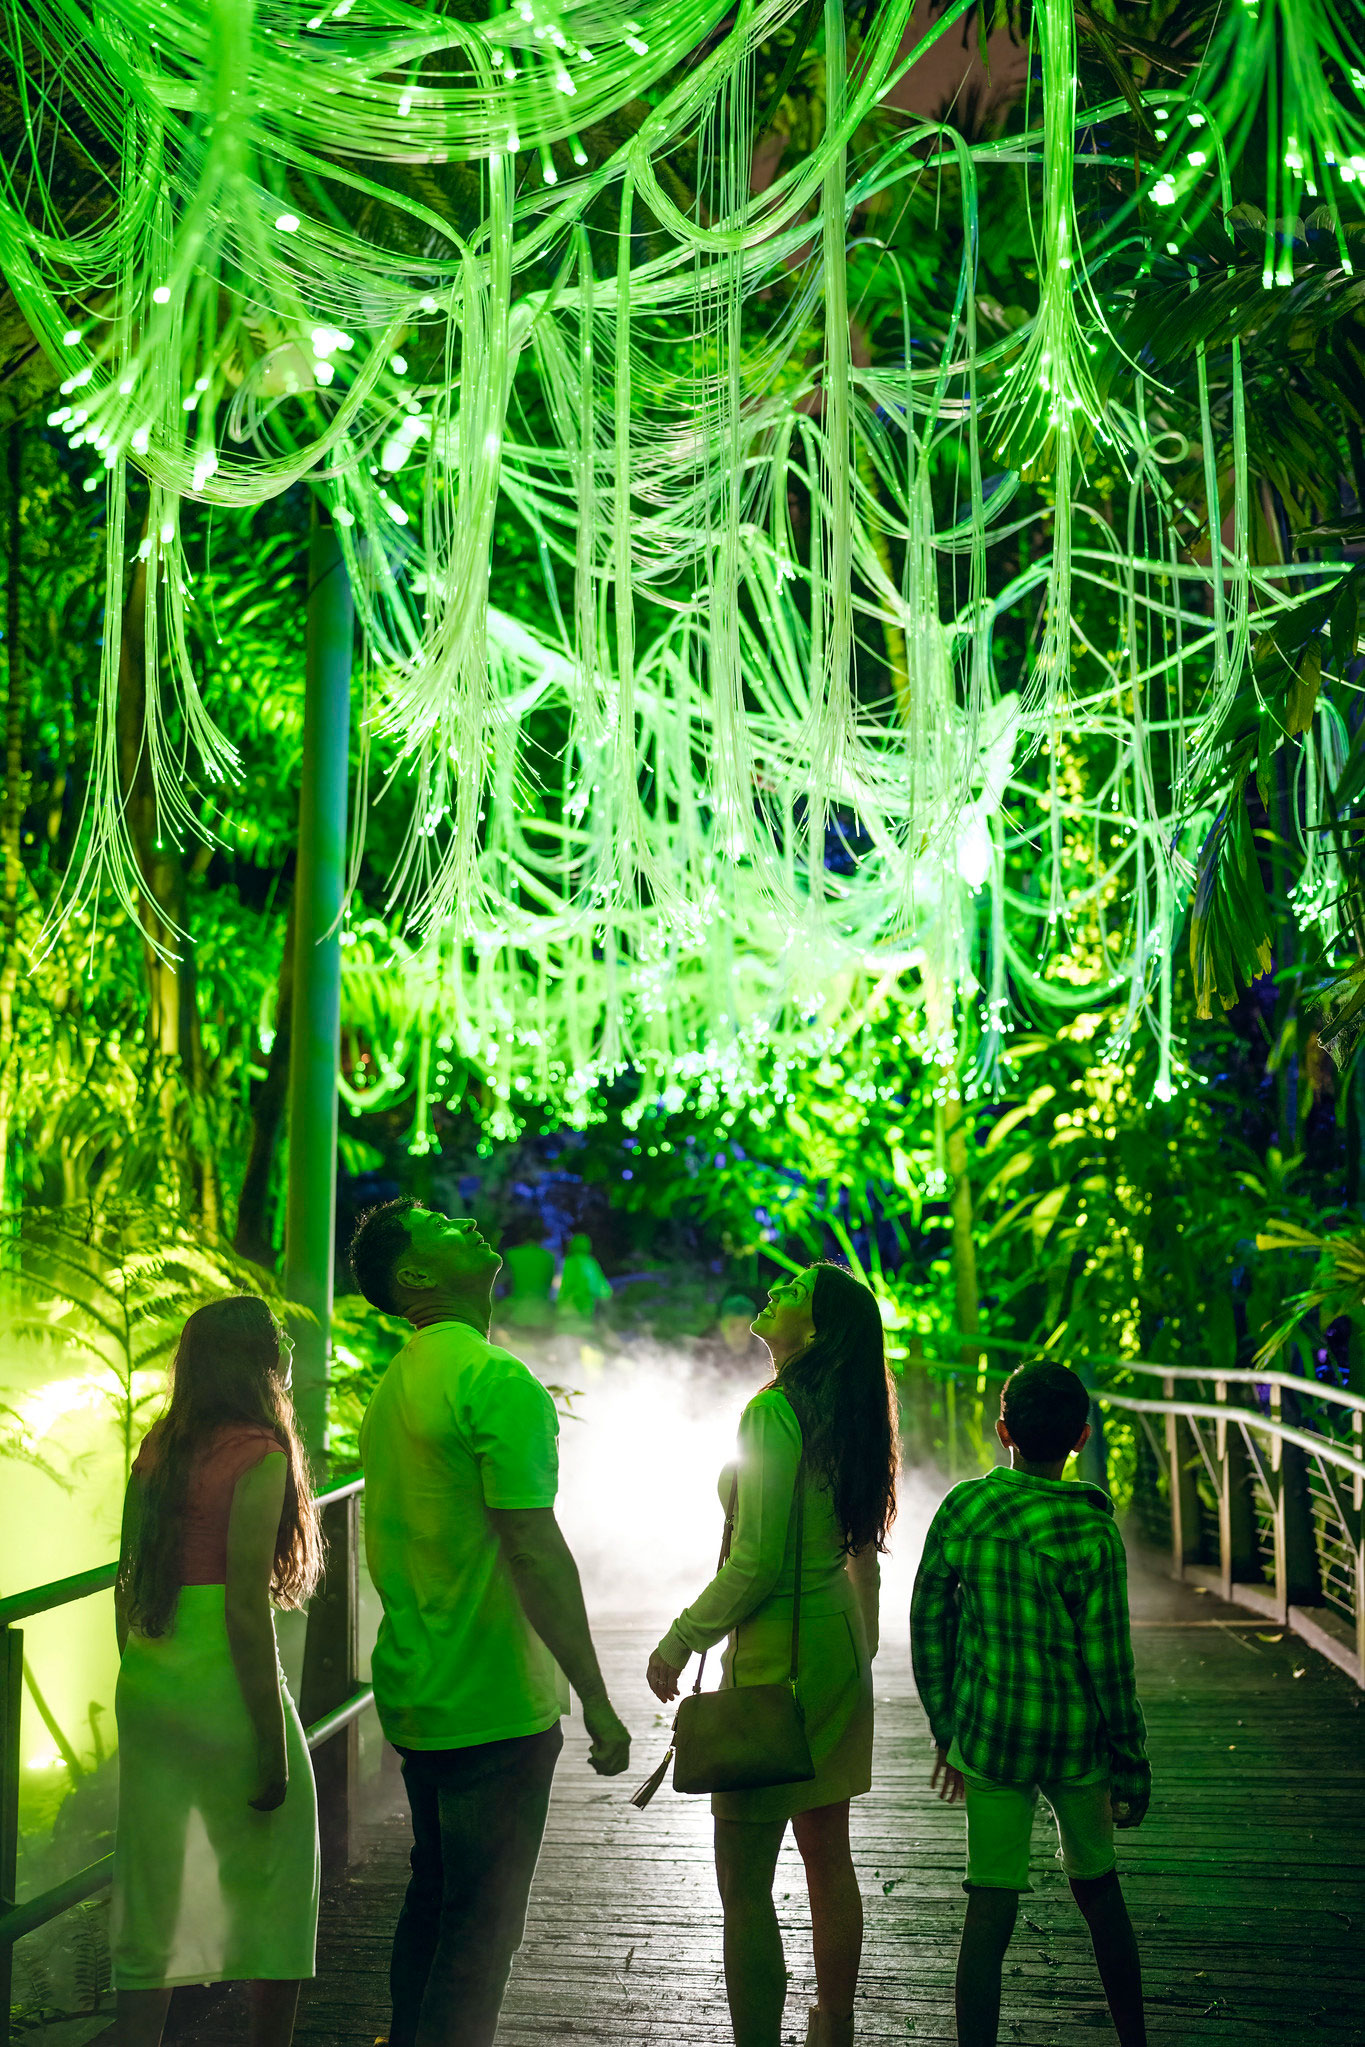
[[1247, 1882]]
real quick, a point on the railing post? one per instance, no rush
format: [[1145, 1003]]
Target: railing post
[[11, 1705], [1296, 1556], [1236, 1524], [1093, 1462], [331, 1655], [1358, 1501], [1185, 1543]]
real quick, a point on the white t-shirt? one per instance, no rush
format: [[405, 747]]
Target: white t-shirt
[[456, 1426]]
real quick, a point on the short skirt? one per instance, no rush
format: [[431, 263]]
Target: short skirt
[[206, 1890], [834, 1685]]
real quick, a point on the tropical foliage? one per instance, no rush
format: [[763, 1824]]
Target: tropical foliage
[[1077, 1145]]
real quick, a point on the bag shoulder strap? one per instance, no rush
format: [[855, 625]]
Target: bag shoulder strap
[[798, 1509]]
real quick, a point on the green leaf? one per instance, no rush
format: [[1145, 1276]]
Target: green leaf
[[1345, 624], [1303, 690], [1229, 917]]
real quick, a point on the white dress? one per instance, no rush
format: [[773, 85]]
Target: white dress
[[205, 1890]]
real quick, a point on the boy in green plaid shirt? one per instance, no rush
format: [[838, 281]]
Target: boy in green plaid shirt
[[1024, 1666]]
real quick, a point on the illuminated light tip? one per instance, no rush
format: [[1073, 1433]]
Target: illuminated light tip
[[549, 174], [287, 223], [1163, 192], [399, 364], [162, 295], [343, 516], [71, 338]]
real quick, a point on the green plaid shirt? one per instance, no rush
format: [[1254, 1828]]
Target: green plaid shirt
[[1019, 1633]]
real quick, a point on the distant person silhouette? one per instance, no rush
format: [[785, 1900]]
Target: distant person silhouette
[[582, 1285], [218, 1522], [735, 1319], [728, 1343], [483, 1618], [530, 1267]]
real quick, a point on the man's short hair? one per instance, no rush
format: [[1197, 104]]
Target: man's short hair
[[1045, 1406], [381, 1237]]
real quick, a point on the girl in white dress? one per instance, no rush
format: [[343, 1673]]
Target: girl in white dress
[[216, 1856]]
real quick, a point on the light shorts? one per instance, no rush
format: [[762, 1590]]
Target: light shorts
[[1000, 1822]]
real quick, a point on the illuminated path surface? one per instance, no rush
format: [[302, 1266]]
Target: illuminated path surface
[[1247, 1883]]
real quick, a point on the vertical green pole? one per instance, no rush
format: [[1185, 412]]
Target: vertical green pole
[[11, 1705], [319, 886]]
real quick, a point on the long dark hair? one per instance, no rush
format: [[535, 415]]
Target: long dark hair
[[842, 1396], [228, 1371]]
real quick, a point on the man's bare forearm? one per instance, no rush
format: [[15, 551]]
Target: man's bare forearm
[[551, 1595]]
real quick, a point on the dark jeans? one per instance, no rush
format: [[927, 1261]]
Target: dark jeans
[[478, 1815]]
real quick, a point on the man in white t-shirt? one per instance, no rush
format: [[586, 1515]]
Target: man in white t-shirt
[[483, 1618]]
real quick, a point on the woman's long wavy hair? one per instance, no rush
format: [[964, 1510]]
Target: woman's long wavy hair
[[229, 1371], [842, 1396]]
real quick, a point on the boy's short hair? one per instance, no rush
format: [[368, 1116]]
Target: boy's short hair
[[1044, 1406], [380, 1239]]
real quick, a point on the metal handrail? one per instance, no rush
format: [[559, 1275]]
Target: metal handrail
[[28, 1916], [1229, 1375], [1325, 1447], [21, 1606]]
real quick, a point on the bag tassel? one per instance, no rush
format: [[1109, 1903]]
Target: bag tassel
[[651, 1784]]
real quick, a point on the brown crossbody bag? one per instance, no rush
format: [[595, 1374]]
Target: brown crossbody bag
[[742, 1737]]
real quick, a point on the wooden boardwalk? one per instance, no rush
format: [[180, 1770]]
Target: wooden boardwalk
[[1247, 1882]]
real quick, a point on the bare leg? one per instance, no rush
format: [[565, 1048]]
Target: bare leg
[[836, 1905], [985, 1936], [755, 1967], [140, 2017], [273, 2005], [1111, 1934]]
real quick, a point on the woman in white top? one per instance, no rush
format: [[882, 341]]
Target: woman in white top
[[831, 1400]]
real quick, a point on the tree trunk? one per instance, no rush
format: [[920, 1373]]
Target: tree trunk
[[254, 1237], [16, 791]]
